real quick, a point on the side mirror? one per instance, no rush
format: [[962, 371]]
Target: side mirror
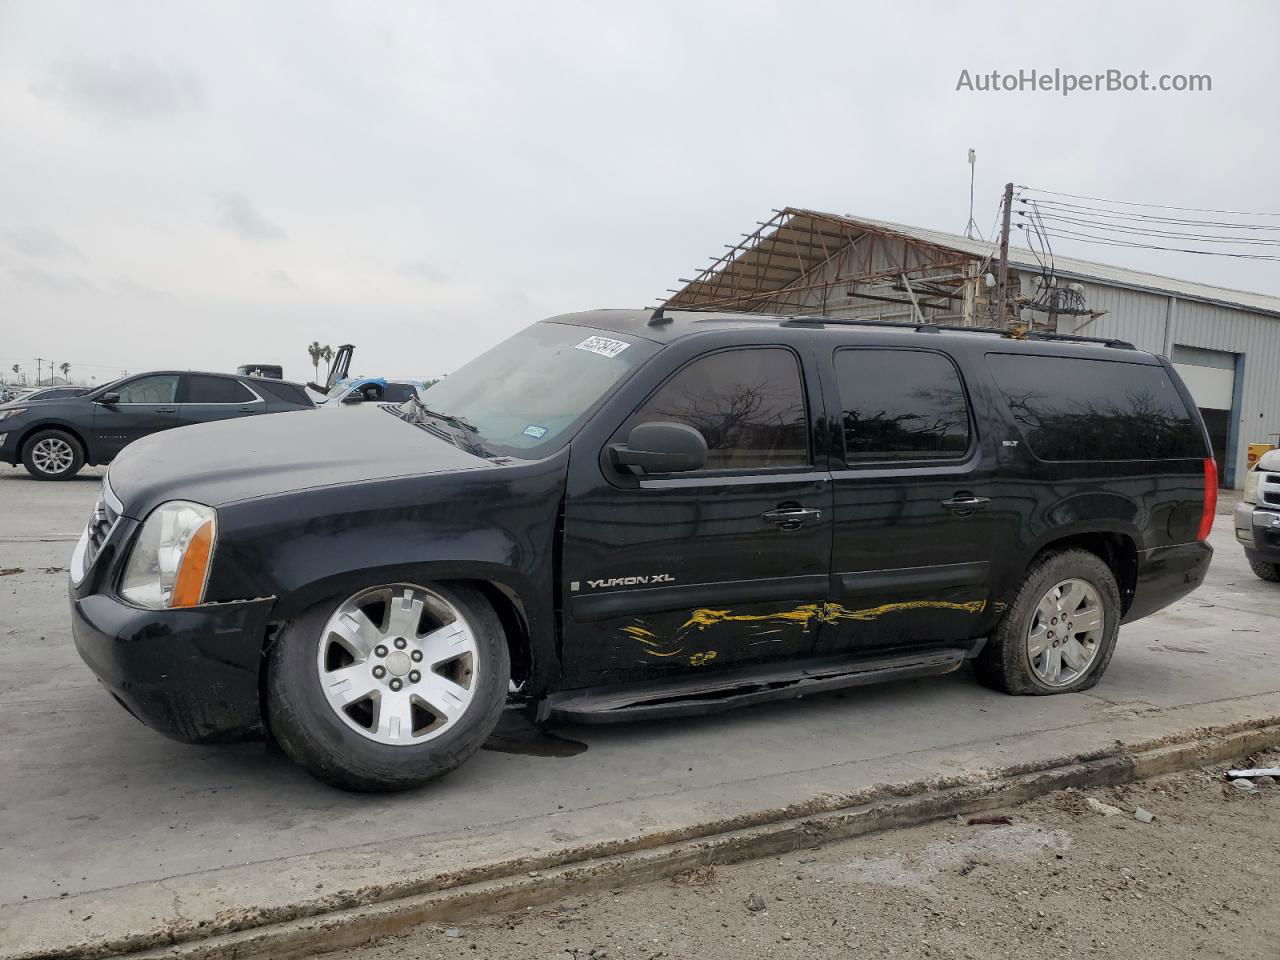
[[661, 448], [111, 398], [355, 396]]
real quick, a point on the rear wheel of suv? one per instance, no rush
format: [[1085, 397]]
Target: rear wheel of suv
[[391, 687], [52, 455], [1059, 633], [1265, 569]]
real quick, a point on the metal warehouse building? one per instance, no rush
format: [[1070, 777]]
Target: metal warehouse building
[[1225, 343]]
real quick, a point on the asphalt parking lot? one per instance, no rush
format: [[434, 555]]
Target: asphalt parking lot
[[107, 826]]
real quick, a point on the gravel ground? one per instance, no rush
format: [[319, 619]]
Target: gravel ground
[[1061, 880]]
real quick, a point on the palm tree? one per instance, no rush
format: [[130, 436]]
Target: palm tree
[[314, 349], [66, 369], [326, 353]]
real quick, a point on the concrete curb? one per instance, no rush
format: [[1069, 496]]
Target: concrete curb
[[512, 885]]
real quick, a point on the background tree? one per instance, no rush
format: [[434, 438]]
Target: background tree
[[314, 350], [66, 369]]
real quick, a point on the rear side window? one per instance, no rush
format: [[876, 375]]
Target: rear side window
[[901, 405], [205, 389], [748, 404], [1076, 409], [280, 390]]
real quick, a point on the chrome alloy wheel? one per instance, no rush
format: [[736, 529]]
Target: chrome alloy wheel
[[52, 455], [398, 664], [1065, 633]]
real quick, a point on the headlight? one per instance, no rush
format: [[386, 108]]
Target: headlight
[[170, 560], [1250, 494], [11, 412]]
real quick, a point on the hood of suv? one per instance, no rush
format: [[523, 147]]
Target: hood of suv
[[230, 460]]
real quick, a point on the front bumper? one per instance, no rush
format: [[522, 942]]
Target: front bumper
[[9, 452], [1258, 531], [192, 674]]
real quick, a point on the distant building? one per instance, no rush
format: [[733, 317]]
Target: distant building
[[1225, 343]]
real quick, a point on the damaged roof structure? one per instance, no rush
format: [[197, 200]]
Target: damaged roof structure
[[1225, 343]]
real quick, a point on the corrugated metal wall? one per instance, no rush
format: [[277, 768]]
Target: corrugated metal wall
[[1143, 319]]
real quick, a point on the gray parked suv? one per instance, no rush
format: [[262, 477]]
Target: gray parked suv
[[1258, 517]]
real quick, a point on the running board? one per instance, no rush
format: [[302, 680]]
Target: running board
[[714, 693]]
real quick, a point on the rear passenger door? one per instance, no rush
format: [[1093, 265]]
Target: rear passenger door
[[206, 398], [914, 526]]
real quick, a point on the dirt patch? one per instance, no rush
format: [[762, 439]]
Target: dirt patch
[[1061, 879]]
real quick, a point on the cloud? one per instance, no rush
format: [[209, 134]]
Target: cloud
[[42, 244], [241, 217], [127, 88], [51, 281], [423, 270], [132, 288], [281, 280]]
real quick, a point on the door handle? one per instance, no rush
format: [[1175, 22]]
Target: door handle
[[791, 518], [166, 409], [966, 504]]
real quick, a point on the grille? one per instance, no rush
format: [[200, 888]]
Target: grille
[[100, 524], [1269, 488]]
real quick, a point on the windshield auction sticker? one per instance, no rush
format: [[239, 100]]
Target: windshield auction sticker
[[603, 346]]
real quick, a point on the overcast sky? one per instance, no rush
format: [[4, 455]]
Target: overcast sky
[[199, 186]]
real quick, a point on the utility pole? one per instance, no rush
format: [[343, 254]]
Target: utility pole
[[1003, 276], [39, 368]]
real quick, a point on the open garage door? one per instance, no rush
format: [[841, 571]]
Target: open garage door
[[1210, 375]]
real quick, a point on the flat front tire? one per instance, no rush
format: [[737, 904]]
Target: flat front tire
[[390, 687], [1059, 633], [52, 455]]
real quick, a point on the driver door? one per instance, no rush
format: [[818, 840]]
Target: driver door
[[147, 404], [712, 568]]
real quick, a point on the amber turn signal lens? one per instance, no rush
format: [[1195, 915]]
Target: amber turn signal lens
[[193, 571]]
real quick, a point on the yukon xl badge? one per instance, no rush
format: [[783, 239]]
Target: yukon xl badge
[[576, 585]]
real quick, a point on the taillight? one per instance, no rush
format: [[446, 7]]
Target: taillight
[[1210, 498]]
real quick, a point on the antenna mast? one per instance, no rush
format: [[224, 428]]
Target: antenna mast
[[971, 228]]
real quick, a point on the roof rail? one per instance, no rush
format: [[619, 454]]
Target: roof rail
[[806, 321]]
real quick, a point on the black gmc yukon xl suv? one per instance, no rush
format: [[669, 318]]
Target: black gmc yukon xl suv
[[615, 514]]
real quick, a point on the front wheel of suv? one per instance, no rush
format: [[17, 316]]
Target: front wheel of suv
[[1265, 570], [1059, 633], [390, 687], [52, 455]]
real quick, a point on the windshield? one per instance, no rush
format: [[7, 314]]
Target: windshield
[[530, 390], [337, 390]]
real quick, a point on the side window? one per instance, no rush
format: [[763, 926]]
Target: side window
[[1078, 409], [206, 389], [748, 404], [162, 388], [901, 405], [397, 392]]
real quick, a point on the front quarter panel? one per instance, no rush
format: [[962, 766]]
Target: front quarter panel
[[497, 525]]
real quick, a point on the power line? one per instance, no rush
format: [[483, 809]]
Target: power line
[[1084, 209], [1154, 232], [1093, 238], [1154, 206]]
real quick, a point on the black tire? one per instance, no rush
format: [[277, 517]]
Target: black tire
[[1005, 663], [312, 735], [63, 441], [1265, 570]]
